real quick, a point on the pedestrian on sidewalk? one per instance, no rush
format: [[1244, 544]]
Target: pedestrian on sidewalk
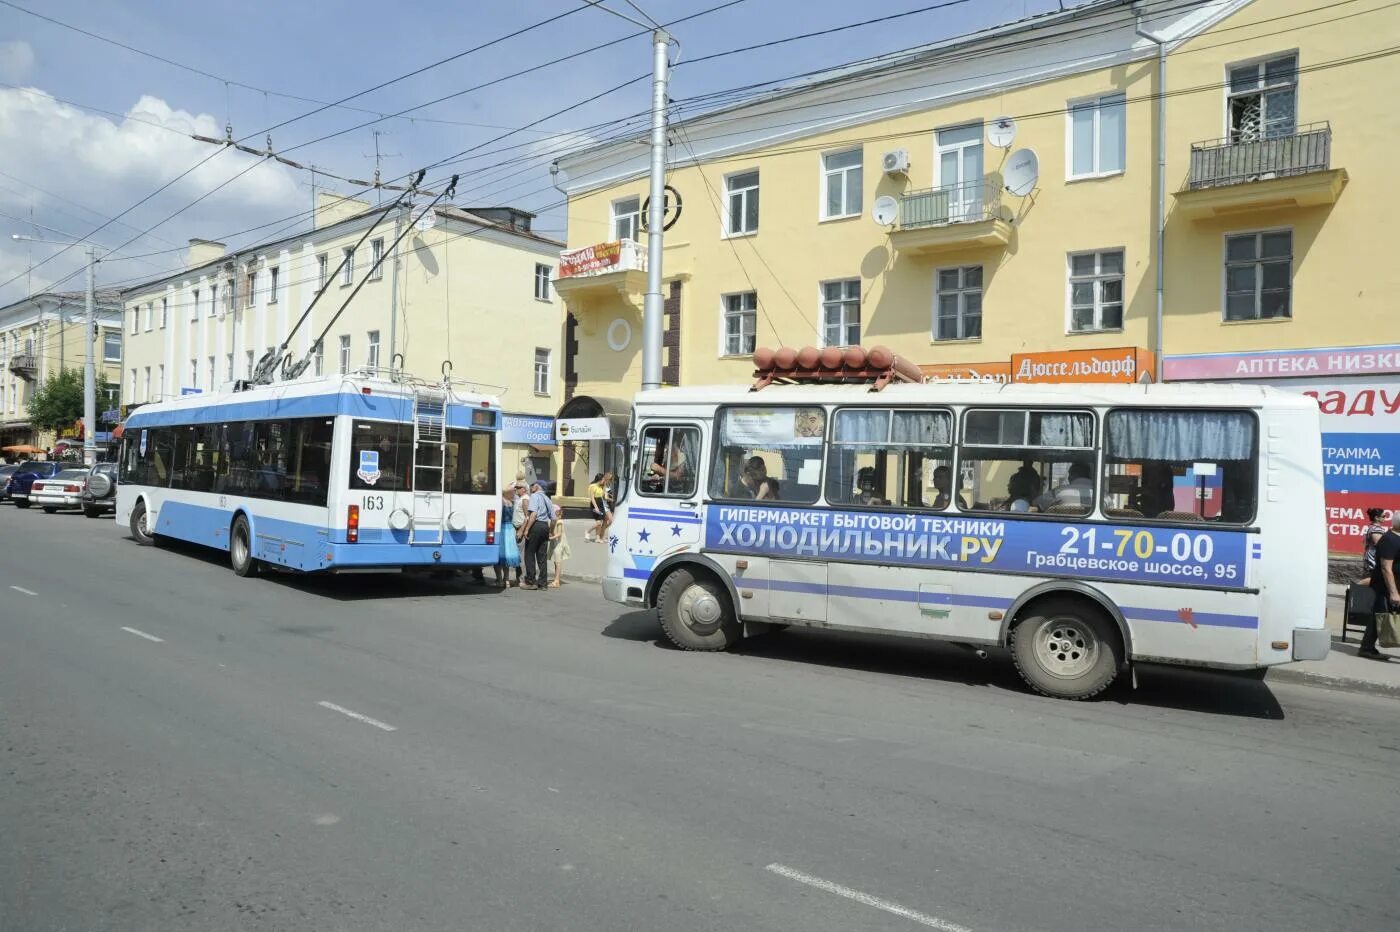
[[510, 546], [1374, 532], [540, 514], [559, 550], [597, 504], [1383, 584]]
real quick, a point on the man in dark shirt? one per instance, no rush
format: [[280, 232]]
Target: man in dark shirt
[[1383, 583]]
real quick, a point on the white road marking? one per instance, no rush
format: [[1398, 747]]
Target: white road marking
[[24, 590], [142, 634], [356, 715], [865, 899]]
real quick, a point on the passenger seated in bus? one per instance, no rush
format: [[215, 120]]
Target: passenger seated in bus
[[1022, 489], [943, 485], [753, 476], [864, 493], [1078, 492]]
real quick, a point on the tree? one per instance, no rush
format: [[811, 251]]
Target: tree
[[58, 403]]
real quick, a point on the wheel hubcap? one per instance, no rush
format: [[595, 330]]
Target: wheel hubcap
[[240, 549], [699, 610], [142, 523], [1066, 647]]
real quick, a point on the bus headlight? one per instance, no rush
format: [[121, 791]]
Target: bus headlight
[[456, 521], [400, 520]]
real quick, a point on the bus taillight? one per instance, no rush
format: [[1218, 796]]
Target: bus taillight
[[352, 524], [491, 526]]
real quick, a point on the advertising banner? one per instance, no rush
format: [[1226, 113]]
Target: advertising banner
[[1126, 364], [590, 258], [528, 428], [1307, 363], [974, 371], [1217, 559], [582, 428]]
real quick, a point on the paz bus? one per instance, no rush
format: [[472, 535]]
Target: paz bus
[[1087, 528], [370, 471]]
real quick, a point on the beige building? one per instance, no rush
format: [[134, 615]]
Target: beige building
[[472, 289], [42, 335]]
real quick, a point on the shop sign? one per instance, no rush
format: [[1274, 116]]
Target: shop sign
[[1086, 365], [975, 372], [537, 429], [1308, 363], [1360, 452], [590, 258], [582, 428]]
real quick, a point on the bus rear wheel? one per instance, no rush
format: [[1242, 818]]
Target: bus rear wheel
[[1066, 649], [695, 612], [240, 549], [141, 525]]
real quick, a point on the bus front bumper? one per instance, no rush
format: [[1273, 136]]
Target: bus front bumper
[[1311, 643], [615, 590]]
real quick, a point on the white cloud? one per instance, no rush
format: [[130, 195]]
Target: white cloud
[[110, 164], [16, 60]]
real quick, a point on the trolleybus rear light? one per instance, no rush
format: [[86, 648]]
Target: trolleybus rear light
[[491, 526], [352, 524]]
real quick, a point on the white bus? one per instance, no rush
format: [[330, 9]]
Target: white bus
[[1085, 527], [340, 473]]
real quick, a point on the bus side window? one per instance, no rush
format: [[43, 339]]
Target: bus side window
[[1180, 465], [768, 454], [891, 459], [668, 460], [1028, 461]]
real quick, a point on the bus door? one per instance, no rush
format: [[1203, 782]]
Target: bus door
[[663, 514]]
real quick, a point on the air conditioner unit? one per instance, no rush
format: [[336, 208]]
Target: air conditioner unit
[[897, 162]]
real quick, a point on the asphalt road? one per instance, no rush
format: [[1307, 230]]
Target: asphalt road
[[538, 761]]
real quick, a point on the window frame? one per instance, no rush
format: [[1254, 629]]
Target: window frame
[[842, 304], [323, 268], [697, 492], [961, 291], [830, 445], [1257, 263], [1260, 63], [213, 299], [829, 174], [1082, 104], [164, 312], [194, 304], [376, 253], [633, 218], [343, 347], [347, 271], [544, 272], [706, 489], [543, 374], [743, 193], [274, 274], [1095, 448], [135, 319], [252, 284], [107, 334], [1249, 525], [725, 313], [1095, 280], [372, 349], [148, 320]]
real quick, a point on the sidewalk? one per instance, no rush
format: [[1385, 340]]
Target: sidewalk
[[1342, 669]]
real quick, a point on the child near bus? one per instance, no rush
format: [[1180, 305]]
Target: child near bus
[[558, 546]]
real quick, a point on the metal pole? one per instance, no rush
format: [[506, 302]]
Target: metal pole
[[394, 291], [654, 308], [1159, 322], [89, 372]]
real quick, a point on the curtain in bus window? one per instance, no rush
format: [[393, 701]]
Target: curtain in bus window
[[856, 426], [922, 427], [1180, 435], [1062, 430]]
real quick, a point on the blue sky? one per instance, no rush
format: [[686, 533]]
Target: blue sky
[[91, 163]]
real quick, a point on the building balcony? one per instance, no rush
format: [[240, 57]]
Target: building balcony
[[25, 365], [1235, 175], [603, 271], [952, 217]]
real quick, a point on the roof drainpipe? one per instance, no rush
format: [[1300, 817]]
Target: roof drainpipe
[[1158, 342]]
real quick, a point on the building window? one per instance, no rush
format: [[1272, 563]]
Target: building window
[[1096, 291], [841, 184], [230, 292], [147, 396], [160, 382], [251, 362], [194, 373], [627, 218], [194, 304], [213, 300], [741, 193], [149, 320], [841, 312], [372, 359], [740, 323], [542, 275], [344, 354], [273, 276], [1259, 275], [958, 314], [322, 263], [541, 371], [1097, 136], [320, 359], [347, 271], [213, 374], [376, 253], [252, 288], [229, 361], [1263, 99], [111, 346], [164, 312], [135, 319]]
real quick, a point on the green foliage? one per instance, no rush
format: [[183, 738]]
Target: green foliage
[[58, 403]]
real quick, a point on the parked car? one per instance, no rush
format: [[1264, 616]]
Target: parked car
[[17, 490], [6, 471], [62, 490], [100, 490]]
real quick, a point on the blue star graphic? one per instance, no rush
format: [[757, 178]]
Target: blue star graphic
[[675, 530], [644, 536]]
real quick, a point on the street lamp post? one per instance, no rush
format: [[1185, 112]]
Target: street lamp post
[[89, 365]]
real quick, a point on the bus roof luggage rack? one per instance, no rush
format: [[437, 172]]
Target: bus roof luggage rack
[[834, 364]]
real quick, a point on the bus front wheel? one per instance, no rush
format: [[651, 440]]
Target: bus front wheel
[[240, 549], [695, 612], [141, 526], [1066, 649]]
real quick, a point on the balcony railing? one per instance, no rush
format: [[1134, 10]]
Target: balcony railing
[[970, 202], [1219, 162], [622, 255], [24, 365]]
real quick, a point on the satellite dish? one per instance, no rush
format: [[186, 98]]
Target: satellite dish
[[426, 219], [1001, 132], [885, 210], [1022, 172]]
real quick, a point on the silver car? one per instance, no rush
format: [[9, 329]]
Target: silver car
[[64, 490]]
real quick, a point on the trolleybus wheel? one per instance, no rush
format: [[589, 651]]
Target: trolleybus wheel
[[240, 549], [695, 612], [1066, 649], [141, 525]]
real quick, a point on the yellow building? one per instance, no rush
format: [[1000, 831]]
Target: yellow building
[[473, 291], [39, 337], [890, 202]]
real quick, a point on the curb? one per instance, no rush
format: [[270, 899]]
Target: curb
[[1337, 683], [582, 577]]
